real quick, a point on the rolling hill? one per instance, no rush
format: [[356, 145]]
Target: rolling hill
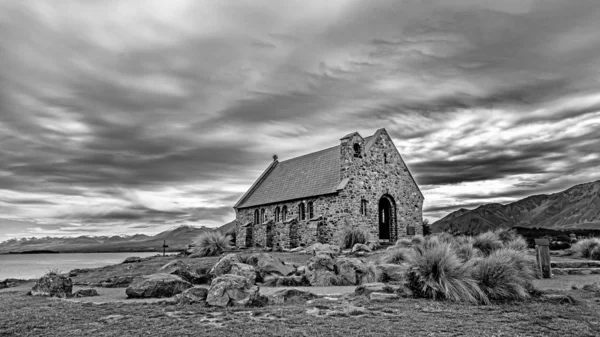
[[176, 238], [576, 207]]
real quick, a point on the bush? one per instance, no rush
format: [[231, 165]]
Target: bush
[[352, 236], [438, 273], [518, 243], [586, 246], [417, 239], [506, 234], [397, 255], [466, 251], [487, 242], [403, 243], [212, 244], [504, 275]]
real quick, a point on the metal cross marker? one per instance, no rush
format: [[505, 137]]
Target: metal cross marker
[[164, 246]]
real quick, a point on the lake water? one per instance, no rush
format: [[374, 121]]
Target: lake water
[[28, 266]]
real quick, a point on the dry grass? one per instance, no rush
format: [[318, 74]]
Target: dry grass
[[487, 242], [504, 275], [397, 255], [352, 236]]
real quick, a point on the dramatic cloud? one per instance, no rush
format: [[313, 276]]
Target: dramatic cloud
[[126, 116]]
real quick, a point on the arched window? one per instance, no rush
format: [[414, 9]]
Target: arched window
[[311, 211], [284, 214], [256, 221], [363, 207], [385, 158], [302, 211], [277, 214], [262, 215], [357, 150]]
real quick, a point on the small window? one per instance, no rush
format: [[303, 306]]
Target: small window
[[363, 207], [311, 212], [302, 211], [284, 213], [385, 158], [262, 215], [357, 150], [256, 221], [277, 214]]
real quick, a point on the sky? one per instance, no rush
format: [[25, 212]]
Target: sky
[[122, 117]]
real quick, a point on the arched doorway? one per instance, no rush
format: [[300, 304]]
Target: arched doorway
[[269, 235], [387, 217]]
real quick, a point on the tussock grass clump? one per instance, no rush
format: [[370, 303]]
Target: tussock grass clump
[[506, 234], [462, 239], [352, 236], [444, 237], [370, 274], [417, 239], [504, 275], [487, 242], [438, 273], [397, 255], [518, 243], [212, 244], [466, 251], [404, 243], [586, 246]]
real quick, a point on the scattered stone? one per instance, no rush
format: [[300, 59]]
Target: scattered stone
[[268, 265], [86, 293], [301, 270], [373, 245], [53, 285], [592, 287], [229, 290], [559, 299], [193, 295], [182, 270], [116, 282], [133, 259], [323, 247], [224, 265], [320, 270], [558, 272], [157, 286], [359, 247], [245, 270], [290, 295], [296, 250], [111, 318], [392, 272], [376, 296], [368, 288]]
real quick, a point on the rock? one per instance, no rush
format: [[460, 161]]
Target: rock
[[182, 270], [133, 259], [559, 299], [320, 271], [296, 250], [558, 272], [350, 270], [368, 288], [224, 265], [156, 286], [360, 254], [229, 290], [268, 265], [373, 245], [592, 287], [376, 296], [193, 295], [359, 247], [53, 285], [244, 270], [301, 270], [392, 272], [11, 282], [323, 247], [86, 293], [290, 295], [76, 272]]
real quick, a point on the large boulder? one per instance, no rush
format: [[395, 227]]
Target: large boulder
[[228, 289], [359, 247], [391, 272], [268, 265], [223, 266], [321, 271], [323, 247], [53, 285], [156, 286], [193, 295], [290, 295], [245, 270], [182, 270], [350, 270]]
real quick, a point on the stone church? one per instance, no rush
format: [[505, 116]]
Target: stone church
[[362, 182]]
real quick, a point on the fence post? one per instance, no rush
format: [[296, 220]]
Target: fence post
[[542, 255]]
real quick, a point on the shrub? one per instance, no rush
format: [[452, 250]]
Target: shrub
[[438, 273], [506, 234], [487, 242], [403, 243], [212, 244], [466, 251], [586, 246], [397, 255], [371, 274], [504, 275], [352, 236], [417, 239], [518, 243]]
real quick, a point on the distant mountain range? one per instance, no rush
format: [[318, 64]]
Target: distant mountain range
[[575, 208], [177, 239]]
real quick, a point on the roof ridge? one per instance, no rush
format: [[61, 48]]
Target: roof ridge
[[308, 154]]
